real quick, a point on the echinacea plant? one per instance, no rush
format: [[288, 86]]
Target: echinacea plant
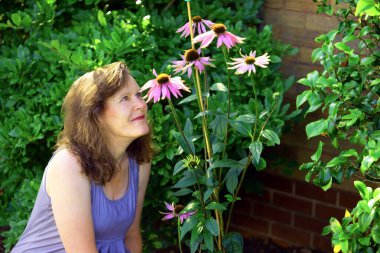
[[210, 174]]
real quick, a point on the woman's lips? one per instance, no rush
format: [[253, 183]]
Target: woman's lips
[[139, 118]]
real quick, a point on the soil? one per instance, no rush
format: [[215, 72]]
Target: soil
[[268, 246], [255, 245]]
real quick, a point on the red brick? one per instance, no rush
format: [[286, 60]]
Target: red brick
[[311, 191], [292, 203], [348, 200], [322, 243], [265, 196], [296, 36], [321, 23], [310, 224], [301, 5], [326, 212], [277, 182], [280, 17], [271, 213], [250, 223], [273, 4], [294, 236], [243, 206]]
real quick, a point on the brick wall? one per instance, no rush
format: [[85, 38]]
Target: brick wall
[[290, 211]]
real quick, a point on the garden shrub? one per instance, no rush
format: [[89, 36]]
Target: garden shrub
[[347, 91], [47, 44]]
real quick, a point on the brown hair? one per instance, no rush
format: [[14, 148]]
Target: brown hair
[[82, 134]]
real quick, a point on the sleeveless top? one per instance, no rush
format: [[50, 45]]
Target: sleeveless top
[[111, 219]]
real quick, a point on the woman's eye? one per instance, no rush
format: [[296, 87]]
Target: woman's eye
[[139, 94], [125, 98]]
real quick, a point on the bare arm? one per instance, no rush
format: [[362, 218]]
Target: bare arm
[[133, 238], [69, 190]]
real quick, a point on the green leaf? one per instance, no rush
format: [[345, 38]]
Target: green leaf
[[349, 38], [225, 163], [271, 136], [194, 241], [317, 155], [317, 54], [233, 242], [232, 178], [187, 145], [212, 226], [188, 99], [101, 18], [342, 46], [215, 206], [275, 59], [303, 97], [336, 161], [316, 128], [246, 118], [365, 220], [219, 87], [188, 225], [262, 164], [375, 233], [366, 163], [180, 165], [256, 148], [209, 241], [187, 180], [362, 189], [368, 7]]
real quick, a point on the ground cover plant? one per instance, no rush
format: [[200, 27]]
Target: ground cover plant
[[347, 92]]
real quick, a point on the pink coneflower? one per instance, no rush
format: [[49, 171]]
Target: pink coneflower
[[224, 37], [248, 62], [198, 22], [176, 211], [190, 58], [163, 86]]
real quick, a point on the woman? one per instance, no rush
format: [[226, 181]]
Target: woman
[[93, 188]]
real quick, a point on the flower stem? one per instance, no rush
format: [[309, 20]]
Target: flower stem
[[178, 125], [237, 191], [179, 234], [202, 109], [190, 24], [256, 107], [225, 53]]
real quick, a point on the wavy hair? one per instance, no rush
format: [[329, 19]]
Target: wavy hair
[[82, 134]]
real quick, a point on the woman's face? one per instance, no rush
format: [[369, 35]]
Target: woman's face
[[125, 114]]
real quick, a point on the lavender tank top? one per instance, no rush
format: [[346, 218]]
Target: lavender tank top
[[111, 218]]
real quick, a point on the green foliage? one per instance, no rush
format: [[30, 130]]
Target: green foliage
[[359, 230], [225, 134], [45, 45], [347, 92]]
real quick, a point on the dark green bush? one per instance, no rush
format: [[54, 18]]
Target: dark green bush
[[45, 45]]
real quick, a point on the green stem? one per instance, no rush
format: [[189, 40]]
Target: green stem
[[225, 54], [256, 108], [178, 125], [179, 235], [237, 192]]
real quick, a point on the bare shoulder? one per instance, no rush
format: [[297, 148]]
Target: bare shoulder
[[144, 172], [65, 170], [145, 169]]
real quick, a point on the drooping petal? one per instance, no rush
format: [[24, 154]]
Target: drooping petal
[[148, 85], [168, 216], [169, 207]]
